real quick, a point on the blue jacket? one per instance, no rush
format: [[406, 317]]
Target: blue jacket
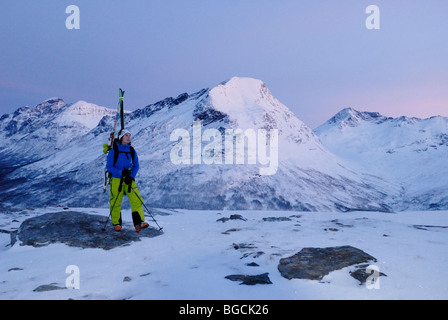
[[124, 161]]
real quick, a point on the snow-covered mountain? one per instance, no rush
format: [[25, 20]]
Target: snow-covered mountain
[[411, 151], [53, 160], [31, 134]]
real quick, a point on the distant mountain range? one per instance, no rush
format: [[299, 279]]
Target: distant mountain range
[[410, 151], [51, 155]]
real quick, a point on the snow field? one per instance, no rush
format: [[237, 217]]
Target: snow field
[[190, 260]]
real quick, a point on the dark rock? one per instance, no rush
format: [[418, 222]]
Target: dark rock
[[252, 264], [250, 280], [232, 217], [230, 230], [208, 115], [253, 254], [237, 246], [340, 224], [237, 217], [145, 274], [48, 287], [274, 219], [426, 227], [78, 230], [181, 98], [315, 263], [15, 269], [361, 275]]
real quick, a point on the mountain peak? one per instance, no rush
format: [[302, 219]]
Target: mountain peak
[[53, 103], [83, 113], [245, 100], [242, 82], [238, 87], [352, 117]]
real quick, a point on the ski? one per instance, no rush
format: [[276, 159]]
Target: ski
[[114, 134], [120, 102], [120, 115]]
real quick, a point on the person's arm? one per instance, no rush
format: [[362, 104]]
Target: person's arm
[[110, 164], [135, 166]]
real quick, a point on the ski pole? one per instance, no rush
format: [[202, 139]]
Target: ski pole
[[136, 193], [110, 213]]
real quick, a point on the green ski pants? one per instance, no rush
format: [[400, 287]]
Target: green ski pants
[[116, 198]]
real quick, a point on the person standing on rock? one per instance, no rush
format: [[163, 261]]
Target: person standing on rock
[[122, 164]]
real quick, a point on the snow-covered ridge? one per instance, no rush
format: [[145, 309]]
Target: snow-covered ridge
[[410, 150], [84, 113], [375, 132], [54, 111], [352, 117], [34, 133]]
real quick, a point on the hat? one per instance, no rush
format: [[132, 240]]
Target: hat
[[122, 133]]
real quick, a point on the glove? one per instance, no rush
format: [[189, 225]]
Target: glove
[[126, 173], [128, 180]]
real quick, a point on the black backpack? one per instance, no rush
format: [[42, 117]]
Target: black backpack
[[116, 152]]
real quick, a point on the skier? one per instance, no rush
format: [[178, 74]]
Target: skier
[[122, 163]]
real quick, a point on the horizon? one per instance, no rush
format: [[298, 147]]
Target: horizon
[[316, 59]]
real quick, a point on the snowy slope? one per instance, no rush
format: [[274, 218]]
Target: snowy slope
[[411, 151], [307, 176], [31, 134], [84, 114], [191, 260]]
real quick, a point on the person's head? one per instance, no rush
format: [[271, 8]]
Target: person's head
[[124, 136]]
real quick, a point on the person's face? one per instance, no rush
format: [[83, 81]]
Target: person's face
[[126, 138]]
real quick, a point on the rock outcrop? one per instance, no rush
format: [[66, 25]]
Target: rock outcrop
[[78, 230], [315, 263]]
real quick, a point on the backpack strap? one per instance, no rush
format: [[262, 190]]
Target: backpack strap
[[132, 153], [116, 152]]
